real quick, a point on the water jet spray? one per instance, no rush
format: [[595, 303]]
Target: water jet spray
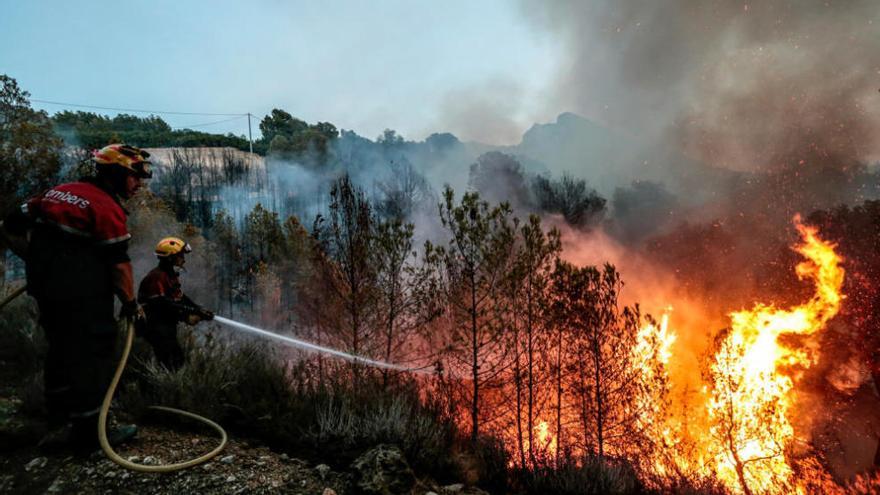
[[129, 338], [308, 346]]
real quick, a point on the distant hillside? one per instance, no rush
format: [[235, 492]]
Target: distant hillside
[[610, 159], [207, 156], [91, 130]]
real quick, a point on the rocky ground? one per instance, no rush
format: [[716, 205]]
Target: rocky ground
[[240, 468]]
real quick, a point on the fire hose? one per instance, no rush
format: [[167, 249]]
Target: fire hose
[[164, 468], [105, 409], [108, 399]]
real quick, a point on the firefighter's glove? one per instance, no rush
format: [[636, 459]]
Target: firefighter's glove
[[207, 315], [133, 311]]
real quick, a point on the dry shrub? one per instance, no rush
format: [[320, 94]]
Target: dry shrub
[[253, 391]]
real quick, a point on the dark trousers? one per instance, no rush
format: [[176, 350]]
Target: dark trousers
[[79, 365], [163, 339]]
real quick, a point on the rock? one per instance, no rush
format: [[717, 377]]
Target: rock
[[430, 493], [284, 457], [57, 486], [227, 459], [383, 470], [149, 460], [135, 459], [125, 475], [110, 474], [36, 463], [456, 488], [322, 470], [328, 491], [230, 479]]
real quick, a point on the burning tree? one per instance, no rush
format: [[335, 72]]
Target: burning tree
[[755, 371], [471, 270], [528, 315], [404, 303], [604, 375]]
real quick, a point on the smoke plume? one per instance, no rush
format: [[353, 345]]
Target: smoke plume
[[736, 85]]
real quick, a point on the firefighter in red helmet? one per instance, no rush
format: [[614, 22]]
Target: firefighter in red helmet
[[166, 305], [74, 241]]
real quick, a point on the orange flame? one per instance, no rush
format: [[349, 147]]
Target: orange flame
[[754, 374]]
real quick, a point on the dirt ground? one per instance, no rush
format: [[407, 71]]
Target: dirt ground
[[240, 468]]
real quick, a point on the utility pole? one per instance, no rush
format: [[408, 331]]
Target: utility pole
[[250, 137]]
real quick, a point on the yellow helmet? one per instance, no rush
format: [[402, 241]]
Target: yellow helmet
[[122, 155], [170, 246]]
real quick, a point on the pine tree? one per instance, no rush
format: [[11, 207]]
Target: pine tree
[[471, 268]]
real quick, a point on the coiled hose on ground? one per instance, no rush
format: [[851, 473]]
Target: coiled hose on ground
[[105, 409], [108, 399]]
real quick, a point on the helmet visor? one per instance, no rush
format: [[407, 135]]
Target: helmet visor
[[142, 170]]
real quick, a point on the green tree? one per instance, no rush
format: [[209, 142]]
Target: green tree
[[579, 205], [91, 130], [262, 239], [292, 138], [262, 236], [389, 139], [294, 265], [279, 122], [228, 244], [326, 129], [29, 150]]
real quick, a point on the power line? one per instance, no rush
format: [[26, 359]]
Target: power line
[[208, 123], [135, 110], [235, 116]]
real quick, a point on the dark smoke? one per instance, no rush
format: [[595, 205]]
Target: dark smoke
[[736, 85]]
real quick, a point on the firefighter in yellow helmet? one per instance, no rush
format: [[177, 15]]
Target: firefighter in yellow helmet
[[166, 305], [74, 241]]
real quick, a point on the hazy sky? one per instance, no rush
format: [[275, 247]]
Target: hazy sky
[[414, 66]]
